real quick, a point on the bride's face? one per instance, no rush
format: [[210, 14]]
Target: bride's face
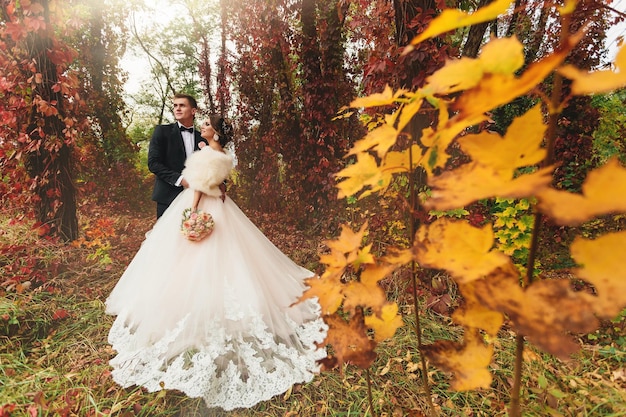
[[206, 130]]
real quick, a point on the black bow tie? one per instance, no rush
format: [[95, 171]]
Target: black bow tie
[[188, 129]]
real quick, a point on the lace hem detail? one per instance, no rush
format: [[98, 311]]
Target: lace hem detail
[[238, 363]]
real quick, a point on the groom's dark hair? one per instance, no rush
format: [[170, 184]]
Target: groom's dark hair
[[192, 99]]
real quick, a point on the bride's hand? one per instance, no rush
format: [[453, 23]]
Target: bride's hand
[[222, 188], [196, 200]]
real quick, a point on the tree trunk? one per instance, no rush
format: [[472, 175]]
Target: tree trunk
[[476, 35], [537, 37], [310, 49], [301, 169], [206, 71], [405, 12], [51, 164], [515, 18], [222, 88]]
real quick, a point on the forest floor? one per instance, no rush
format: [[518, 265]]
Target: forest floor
[[54, 353]]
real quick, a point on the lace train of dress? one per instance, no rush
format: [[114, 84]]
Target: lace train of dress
[[214, 319]]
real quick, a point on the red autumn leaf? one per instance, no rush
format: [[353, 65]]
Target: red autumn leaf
[[60, 314], [15, 31], [6, 409]]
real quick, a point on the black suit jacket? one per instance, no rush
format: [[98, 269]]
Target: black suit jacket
[[166, 160]]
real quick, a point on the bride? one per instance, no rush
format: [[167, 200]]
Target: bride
[[213, 318]]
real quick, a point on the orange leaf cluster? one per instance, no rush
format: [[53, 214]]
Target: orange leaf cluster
[[547, 312], [344, 300]]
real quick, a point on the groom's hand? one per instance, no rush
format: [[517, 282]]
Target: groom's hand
[[223, 190]]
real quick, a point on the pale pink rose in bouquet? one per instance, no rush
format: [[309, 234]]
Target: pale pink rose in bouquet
[[196, 225]]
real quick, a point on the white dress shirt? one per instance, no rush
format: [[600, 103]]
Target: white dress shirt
[[188, 140]]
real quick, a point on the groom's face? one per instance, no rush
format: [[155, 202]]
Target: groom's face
[[183, 112]]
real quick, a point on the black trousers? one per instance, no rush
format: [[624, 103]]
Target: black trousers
[[161, 207]]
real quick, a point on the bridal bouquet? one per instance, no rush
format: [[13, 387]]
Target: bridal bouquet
[[196, 224]]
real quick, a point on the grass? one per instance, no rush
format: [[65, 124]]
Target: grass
[[54, 353]]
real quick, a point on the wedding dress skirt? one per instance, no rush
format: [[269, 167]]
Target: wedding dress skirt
[[214, 319]]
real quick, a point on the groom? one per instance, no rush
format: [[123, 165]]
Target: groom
[[170, 145]]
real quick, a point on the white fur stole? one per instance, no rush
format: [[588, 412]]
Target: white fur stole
[[206, 169]]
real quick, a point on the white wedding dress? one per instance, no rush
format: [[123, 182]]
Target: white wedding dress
[[214, 319]]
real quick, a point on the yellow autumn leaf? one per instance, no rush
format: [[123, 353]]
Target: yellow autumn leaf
[[520, 147], [472, 182], [546, 312], [451, 19], [372, 274], [474, 314], [409, 110], [386, 325], [463, 250], [336, 262], [380, 140], [601, 81], [328, 292], [439, 140], [602, 193], [344, 112], [362, 256], [568, 7], [502, 56], [335, 257], [398, 257], [394, 162], [349, 240], [400, 161], [361, 174], [385, 98], [602, 263], [497, 89], [469, 362], [457, 75], [499, 56], [366, 292]]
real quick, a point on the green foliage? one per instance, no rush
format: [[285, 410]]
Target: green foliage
[[513, 227], [140, 132], [573, 147], [9, 315], [174, 51], [456, 213], [504, 115], [608, 138]]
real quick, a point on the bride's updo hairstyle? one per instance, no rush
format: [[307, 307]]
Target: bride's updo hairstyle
[[223, 128]]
